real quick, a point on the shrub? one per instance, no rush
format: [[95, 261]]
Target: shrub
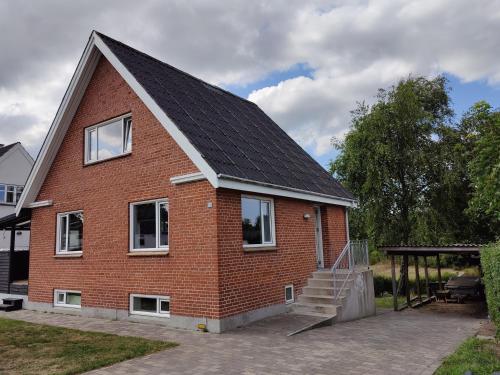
[[490, 262]]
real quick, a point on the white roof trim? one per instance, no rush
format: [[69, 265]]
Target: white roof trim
[[70, 102], [40, 204], [230, 182], [176, 180]]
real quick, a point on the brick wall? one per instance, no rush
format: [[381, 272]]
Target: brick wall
[[106, 274], [206, 272], [253, 279]]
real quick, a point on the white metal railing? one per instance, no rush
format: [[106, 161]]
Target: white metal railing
[[353, 256]]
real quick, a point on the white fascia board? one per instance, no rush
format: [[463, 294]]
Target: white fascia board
[[40, 204], [268, 189], [160, 115], [57, 131], [191, 177]]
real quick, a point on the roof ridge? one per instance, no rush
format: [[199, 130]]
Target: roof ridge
[[174, 68]]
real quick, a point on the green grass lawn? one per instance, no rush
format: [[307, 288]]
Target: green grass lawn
[[478, 356], [387, 302], [27, 348]]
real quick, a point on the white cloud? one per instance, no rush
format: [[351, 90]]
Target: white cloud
[[353, 47]]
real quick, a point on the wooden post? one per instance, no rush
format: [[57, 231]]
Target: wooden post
[[417, 278], [440, 281], [407, 290], [427, 278], [394, 286]]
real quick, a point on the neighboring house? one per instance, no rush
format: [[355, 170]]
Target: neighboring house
[[15, 166], [160, 196]]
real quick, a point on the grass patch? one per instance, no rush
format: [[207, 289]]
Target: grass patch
[[478, 356], [28, 348], [386, 302]]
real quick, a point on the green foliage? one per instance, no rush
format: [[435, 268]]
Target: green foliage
[[383, 284], [411, 168], [490, 262], [475, 355], [484, 167]]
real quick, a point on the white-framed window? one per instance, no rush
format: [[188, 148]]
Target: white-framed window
[[257, 216], [141, 304], [68, 298], [69, 232], [109, 139], [149, 225], [289, 295], [10, 194]]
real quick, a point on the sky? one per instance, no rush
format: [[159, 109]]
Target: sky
[[305, 63]]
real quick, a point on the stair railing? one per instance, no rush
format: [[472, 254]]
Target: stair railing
[[353, 256]]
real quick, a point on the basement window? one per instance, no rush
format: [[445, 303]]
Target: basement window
[[289, 295], [149, 226], [108, 140], [69, 232], [150, 305], [257, 221], [68, 298]]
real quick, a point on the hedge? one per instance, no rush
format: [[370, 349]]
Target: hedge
[[490, 263]]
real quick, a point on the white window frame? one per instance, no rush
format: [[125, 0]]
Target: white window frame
[[123, 119], [15, 190], [272, 222], [58, 233], [159, 299], [288, 301], [157, 202], [58, 304]]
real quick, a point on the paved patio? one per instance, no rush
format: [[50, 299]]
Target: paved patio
[[410, 342]]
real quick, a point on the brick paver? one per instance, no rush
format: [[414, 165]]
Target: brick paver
[[409, 342]]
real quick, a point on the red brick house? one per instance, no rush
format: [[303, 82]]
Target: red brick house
[[159, 196]]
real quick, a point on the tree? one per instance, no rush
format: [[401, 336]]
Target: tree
[[483, 128], [388, 159]]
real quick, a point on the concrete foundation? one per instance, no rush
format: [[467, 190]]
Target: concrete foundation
[[174, 321]]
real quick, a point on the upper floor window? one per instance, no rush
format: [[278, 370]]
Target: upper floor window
[[108, 139], [149, 225], [10, 194], [258, 221], [69, 232]]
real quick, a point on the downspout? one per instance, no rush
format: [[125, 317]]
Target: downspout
[[347, 226]]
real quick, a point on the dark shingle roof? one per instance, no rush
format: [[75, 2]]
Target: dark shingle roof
[[4, 149], [233, 135]]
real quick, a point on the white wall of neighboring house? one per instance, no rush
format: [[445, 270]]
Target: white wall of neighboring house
[[15, 166]]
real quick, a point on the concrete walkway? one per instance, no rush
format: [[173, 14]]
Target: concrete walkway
[[410, 342]]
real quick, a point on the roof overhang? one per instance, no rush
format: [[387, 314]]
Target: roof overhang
[[425, 250], [94, 49]]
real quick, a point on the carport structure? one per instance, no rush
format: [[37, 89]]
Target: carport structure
[[405, 252]]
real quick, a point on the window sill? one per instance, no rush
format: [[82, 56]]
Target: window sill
[[148, 253], [89, 163], [75, 255], [259, 248]]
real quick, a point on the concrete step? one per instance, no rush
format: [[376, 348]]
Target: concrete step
[[323, 291], [321, 300], [305, 308], [322, 275], [320, 283]]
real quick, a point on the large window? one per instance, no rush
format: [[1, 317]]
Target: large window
[[149, 226], [149, 305], [258, 221], [69, 232], [10, 194], [108, 140], [67, 298]]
